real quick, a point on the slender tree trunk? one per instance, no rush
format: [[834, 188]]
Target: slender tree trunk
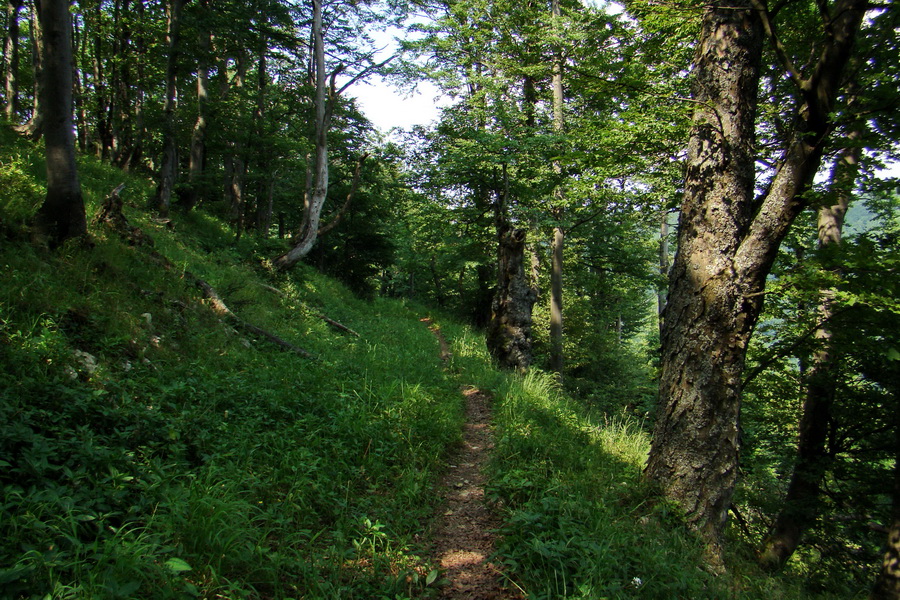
[[136, 152], [121, 108], [725, 251], [101, 88], [62, 214], [310, 227], [800, 506], [162, 201], [33, 128], [557, 359], [198, 136], [77, 78], [663, 266], [236, 167], [263, 209], [11, 59]]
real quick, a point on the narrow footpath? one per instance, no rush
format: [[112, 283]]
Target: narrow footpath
[[464, 532]]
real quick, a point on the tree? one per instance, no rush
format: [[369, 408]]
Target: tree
[[11, 58], [326, 97], [727, 242], [169, 167], [62, 214], [800, 502]]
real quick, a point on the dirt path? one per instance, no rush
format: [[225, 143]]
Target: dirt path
[[464, 531]]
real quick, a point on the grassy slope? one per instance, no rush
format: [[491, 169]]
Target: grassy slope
[[150, 450]]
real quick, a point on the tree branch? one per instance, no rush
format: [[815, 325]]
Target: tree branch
[[780, 51]]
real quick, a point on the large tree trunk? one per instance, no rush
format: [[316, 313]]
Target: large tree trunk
[[800, 506], [708, 319], [162, 201], [62, 214], [509, 332], [11, 59], [725, 251]]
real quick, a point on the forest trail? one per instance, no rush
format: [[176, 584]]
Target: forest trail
[[464, 533]]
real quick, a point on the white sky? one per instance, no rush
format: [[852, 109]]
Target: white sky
[[387, 107]]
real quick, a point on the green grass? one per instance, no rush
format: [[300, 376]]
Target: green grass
[[148, 449]]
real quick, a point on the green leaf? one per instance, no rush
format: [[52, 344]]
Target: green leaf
[[178, 565], [431, 577], [893, 354]]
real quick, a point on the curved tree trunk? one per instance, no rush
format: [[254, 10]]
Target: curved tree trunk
[[310, 227], [62, 214]]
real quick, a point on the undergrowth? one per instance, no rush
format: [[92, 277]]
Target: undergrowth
[[151, 449]]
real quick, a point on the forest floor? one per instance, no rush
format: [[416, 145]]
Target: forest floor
[[465, 529]]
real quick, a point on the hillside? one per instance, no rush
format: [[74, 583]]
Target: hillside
[[152, 447]]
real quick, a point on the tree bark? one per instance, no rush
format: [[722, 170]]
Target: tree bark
[[11, 59], [726, 248], [509, 332], [62, 214], [800, 506]]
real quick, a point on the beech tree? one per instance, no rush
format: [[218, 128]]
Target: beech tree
[[62, 214], [727, 242]]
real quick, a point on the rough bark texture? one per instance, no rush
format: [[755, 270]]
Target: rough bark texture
[[509, 333], [708, 320], [801, 501], [62, 214], [726, 247]]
